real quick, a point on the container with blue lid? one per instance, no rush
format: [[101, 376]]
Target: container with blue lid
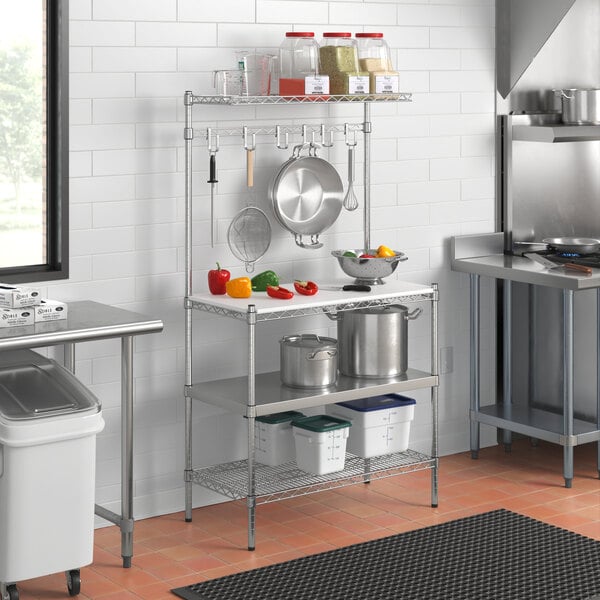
[[378, 402], [380, 424]]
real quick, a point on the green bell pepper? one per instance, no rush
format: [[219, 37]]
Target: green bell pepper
[[262, 280]]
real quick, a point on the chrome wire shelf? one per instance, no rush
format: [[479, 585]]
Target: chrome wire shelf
[[331, 99], [287, 481], [305, 311]]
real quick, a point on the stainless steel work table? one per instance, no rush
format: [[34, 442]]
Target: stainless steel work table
[[88, 321], [483, 255]]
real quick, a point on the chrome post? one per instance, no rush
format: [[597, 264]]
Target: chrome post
[[188, 135], [367, 176], [434, 395], [506, 361], [598, 373], [250, 414], [127, 449], [568, 384], [474, 287]]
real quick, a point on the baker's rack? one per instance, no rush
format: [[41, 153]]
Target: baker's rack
[[260, 394]]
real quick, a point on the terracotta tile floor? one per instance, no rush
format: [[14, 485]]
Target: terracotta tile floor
[[169, 552]]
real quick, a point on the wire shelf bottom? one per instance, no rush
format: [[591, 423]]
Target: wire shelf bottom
[[287, 481]]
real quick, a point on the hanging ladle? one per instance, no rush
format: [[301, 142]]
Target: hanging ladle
[[350, 200]]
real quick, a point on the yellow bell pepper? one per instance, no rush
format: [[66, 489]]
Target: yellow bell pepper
[[384, 251], [240, 287]]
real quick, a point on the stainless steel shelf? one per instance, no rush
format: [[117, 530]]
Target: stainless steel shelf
[[273, 397], [287, 481], [555, 133], [537, 423], [331, 99]]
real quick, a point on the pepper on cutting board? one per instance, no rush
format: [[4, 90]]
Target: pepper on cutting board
[[306, 288], [281, 293], [240, 287], [262, 280], [217, 278]]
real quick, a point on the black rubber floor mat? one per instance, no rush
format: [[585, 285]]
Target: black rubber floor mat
[[499, 555]]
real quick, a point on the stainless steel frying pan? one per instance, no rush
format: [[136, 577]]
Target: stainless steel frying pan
[[307, 195], [580, 245]]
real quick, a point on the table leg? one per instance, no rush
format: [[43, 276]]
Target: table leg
[[568, 386], [507, 362], [127, 450], [474, 363]]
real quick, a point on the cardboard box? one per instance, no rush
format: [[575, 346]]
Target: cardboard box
[[17, 297], [16, 317], [50, 310]]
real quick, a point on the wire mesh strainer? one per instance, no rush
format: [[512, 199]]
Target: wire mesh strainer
[[249, 236]]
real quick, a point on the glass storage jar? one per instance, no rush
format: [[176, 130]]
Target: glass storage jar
[[298, 58], [374, 56], [338, 57]]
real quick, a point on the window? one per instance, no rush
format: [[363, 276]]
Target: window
[[34, 164]]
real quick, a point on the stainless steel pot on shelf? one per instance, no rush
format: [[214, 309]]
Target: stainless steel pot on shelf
[[308, 361], [580, 106], [373, 342]]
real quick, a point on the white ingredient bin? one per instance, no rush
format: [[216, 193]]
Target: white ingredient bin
[[273, 438], [48, 427], [380, 424], [320, 443]]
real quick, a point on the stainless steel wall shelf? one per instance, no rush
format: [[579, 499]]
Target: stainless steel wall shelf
[[260, 394]]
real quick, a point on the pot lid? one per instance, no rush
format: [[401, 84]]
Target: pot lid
[[381, 310], [308, 340]]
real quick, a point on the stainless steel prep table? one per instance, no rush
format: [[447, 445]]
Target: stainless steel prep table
[[88, 321], [483, 255]]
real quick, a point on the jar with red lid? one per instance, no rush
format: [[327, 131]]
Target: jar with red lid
[[374, 56], [298, 59], [338, 57]]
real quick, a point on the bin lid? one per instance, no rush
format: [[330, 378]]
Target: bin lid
[[33, 391], [378, 402], [321, 423], [282, 417]]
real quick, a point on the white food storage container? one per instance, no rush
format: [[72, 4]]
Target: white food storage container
[[320, 443], [48, 427], [273, 438], [380, 424]]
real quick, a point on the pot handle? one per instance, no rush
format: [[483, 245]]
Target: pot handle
[[321, 355], [411, 316], [563, 94], [297, 151], [334, 316]]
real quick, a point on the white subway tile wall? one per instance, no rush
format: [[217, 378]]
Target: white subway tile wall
[[432, 174]]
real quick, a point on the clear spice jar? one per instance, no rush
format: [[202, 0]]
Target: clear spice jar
[[338, 56], [298, 59], [374, 56]]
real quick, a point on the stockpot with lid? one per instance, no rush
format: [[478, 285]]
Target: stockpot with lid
[[308, 360]]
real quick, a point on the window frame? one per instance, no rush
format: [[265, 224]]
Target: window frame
[[57, 153]]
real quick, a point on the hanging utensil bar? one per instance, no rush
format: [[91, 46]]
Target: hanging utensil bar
[[283, 132]]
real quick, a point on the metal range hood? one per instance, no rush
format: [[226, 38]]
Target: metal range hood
[[522, 28]]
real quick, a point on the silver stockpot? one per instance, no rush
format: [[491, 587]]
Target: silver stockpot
[[373, 342], [308, 360], [580, 107]]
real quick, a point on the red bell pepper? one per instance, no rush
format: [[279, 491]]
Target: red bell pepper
[[217, 278], [367, 256], [306, 288], [281, 293]]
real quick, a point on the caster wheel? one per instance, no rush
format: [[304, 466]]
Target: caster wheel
[[73, 582], [12, 593]]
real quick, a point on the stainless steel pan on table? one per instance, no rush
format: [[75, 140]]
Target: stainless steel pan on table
[[307, 195], [576, 245]]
